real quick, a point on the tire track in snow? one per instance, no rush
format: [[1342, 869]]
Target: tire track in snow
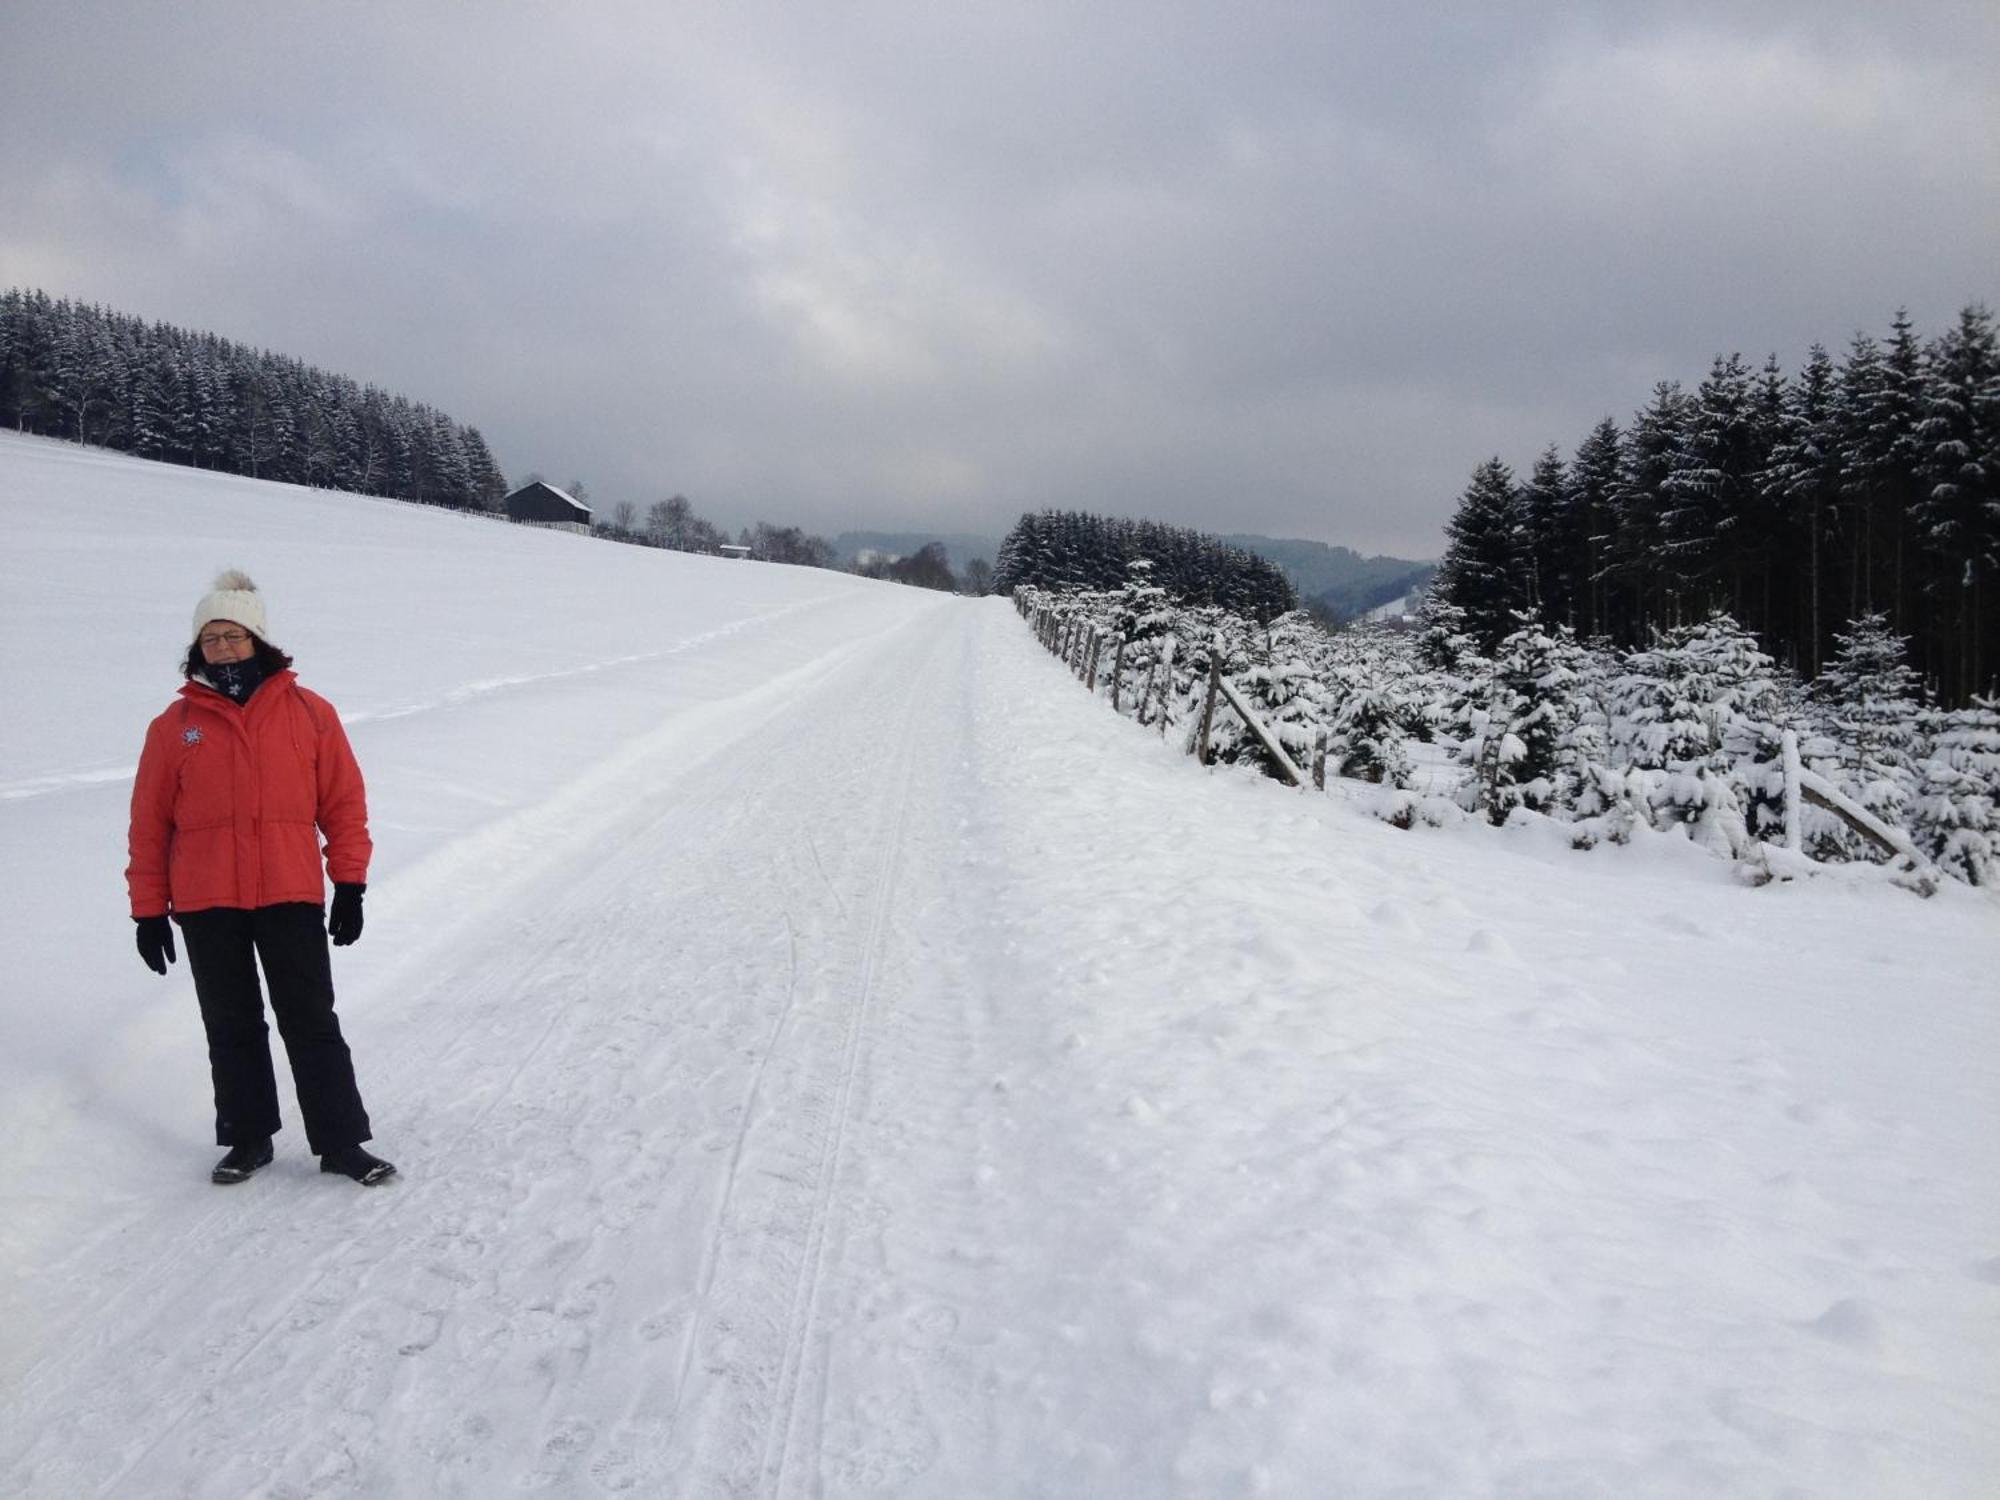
[[781, 1435], [759, 1407]]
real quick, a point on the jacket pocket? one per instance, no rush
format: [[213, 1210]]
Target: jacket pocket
[[201, 867], [204, 796]]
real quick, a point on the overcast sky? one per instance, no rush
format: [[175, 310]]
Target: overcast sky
[[1289, 268]]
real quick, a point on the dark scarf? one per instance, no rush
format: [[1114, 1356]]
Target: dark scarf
[[235, 680]]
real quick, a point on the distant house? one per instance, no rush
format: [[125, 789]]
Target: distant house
[[733, 549], [540, 504]]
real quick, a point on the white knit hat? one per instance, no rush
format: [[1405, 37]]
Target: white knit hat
[[233, 597]]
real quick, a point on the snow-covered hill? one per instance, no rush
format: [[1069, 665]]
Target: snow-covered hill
[[829, 1055]]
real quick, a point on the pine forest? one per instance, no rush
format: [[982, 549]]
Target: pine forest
[[76, 371], [1069, 549], [1797, 505]]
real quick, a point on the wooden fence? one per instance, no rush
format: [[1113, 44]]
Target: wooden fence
[[1080, 646]]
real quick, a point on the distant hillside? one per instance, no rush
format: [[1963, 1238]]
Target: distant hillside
[[960, 546], [1338, 577]]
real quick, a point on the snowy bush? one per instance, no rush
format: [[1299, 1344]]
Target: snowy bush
[[1956, 810], [1867, 707], [1687, 735]]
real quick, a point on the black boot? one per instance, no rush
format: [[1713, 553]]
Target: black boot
[[244, 1158], [355, 1162]]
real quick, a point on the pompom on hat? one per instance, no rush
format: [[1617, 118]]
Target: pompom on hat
[[233, 597]]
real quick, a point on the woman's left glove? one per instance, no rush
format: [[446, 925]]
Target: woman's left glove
[[343, 922]]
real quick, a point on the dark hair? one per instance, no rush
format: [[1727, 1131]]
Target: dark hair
[[269, 657]]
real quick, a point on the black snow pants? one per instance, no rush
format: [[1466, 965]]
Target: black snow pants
[[224, 945]]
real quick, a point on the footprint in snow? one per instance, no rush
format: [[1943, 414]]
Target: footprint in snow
[[431, 1326], [930, 1325], [1490, 944], [1849, 1321], [1680, 925], [667, 1320], [559, 1452], [1394, 918]]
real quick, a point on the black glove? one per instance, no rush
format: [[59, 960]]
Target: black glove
[[343, 923], [156, 942]]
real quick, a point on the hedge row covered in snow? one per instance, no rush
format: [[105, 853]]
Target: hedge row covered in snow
[[1688, 734]]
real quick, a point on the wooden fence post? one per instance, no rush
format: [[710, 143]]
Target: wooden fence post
[[1090, 677], [1794, 831], [1117, 672], [1319, 762], [1208, 705]]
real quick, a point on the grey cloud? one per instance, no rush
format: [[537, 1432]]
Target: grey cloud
[[1291, 268]]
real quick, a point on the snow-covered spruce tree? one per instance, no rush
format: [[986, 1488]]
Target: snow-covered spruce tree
[[1588, 783], [1368, 736], [1284, 687], [1592, 485], [1140, 616], [1957, 515], [1868, 702], [1636, 597], [1673, 707], [1512, 739], [1449, 669], [1955, 817], [1484, 571], [1709, 487], [1444, 639], [1211, 634], [1883, 466], [1023, 557], [1753, 749], [1801, 480], [1546, 531]]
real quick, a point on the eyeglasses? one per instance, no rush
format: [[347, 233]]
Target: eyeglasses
[[225, 638]]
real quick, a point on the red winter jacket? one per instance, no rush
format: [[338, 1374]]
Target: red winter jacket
[[230, 800]]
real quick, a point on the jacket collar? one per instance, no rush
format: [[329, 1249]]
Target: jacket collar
[[198, 689]]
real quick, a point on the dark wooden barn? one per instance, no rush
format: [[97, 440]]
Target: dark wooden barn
[[541, 504]]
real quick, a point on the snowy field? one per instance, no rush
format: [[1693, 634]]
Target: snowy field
[[830, 1055]]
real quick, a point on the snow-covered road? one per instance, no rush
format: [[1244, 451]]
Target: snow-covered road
[[830, 1055]]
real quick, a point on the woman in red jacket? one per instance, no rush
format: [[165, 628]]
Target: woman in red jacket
[[238, 781]]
